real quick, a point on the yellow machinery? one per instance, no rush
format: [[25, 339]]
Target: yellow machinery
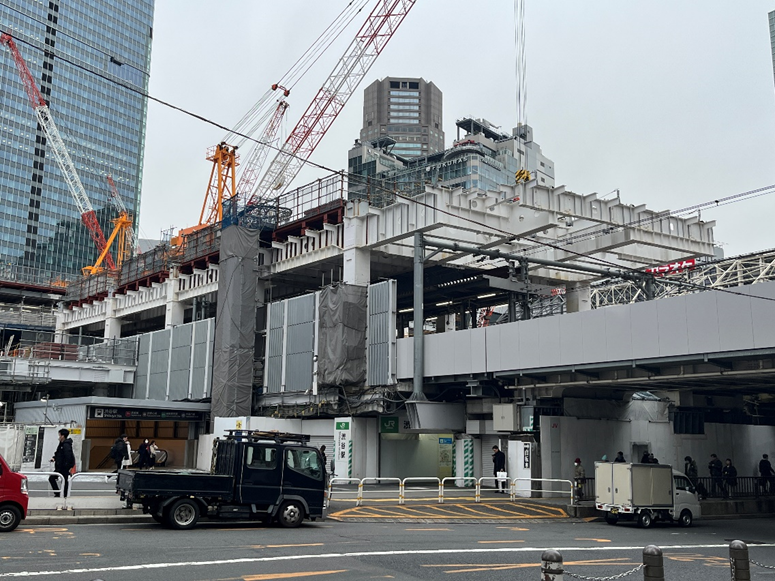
[[122, 235], [221, 188]]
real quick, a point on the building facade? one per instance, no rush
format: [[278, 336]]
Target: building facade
[[408, 110], [91, 61], [772, 39]]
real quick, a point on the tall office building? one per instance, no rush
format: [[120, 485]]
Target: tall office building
[[91, 62], [407, 110], [772, 40]]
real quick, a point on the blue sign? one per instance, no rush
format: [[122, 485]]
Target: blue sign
[[445, 441]]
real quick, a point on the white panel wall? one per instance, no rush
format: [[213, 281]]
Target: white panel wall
[[706, 322]]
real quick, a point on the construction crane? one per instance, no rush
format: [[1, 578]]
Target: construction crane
[[369, 42], [123, 234], [57, 146]]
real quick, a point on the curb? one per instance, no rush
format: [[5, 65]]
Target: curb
[[72, 519]]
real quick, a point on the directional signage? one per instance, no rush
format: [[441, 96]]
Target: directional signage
[[120, 413]]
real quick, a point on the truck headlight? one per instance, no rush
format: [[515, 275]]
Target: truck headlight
[[24, 487]]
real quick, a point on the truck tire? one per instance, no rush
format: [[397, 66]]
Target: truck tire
[[291, 514], [10, 517], [645, 520], [182, 514], [685, 520], [611, 519]]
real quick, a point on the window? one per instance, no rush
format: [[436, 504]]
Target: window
[[261, 457], [395, 85], [405, 93], [689, 422], [414, 85], [417, 121], [402, 100], [304, 461], [404, 114], [682, 483]]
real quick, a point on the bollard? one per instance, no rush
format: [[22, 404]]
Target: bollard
[[551, 566], [738, 561], [653, 566]]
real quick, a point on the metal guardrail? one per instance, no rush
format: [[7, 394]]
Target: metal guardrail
[[745, 487], [32, 477], [440, 482]]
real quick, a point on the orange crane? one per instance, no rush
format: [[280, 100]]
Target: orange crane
[[368, 44], [58, 148], [123, 234]]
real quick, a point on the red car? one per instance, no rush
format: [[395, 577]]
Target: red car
[[13, 497]]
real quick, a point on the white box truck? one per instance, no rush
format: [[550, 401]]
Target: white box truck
[[644, 492]]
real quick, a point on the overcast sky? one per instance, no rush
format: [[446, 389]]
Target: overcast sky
[[670, 101]]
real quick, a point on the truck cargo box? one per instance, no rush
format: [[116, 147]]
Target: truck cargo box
[[170, 482], [642, 485]]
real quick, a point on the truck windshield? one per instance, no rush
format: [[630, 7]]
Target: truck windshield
[[306, 462]]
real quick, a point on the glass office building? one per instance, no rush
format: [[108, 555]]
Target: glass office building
[[91, 61], [772, 39]]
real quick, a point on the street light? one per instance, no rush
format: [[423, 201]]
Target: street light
[[45, 411]]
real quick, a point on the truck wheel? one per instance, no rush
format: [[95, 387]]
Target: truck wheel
[[685, 520], [645, 520], [611, 519], [10, 517], [183, 514], [291, 514]]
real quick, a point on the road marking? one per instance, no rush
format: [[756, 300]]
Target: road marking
[[356, 554], [294, 575], [494, 542], [284, 546], [478, 568], [428, 529], [596, 540], [89, 555], [513, 528]]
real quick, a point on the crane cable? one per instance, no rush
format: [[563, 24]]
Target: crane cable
[[520, 74]]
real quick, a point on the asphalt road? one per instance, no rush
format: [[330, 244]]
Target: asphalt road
[[355, 551]]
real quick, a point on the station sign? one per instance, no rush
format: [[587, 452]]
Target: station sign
[[121, 413]]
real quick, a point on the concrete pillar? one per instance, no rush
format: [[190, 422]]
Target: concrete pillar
[[357, 260], [577, 297], [174, 309], [112, 323]]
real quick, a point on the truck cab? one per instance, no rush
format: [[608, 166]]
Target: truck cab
[[14, 497], [646, 493], [265, 476]]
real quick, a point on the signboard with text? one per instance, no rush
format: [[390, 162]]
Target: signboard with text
[[120, 413], [343, 443]]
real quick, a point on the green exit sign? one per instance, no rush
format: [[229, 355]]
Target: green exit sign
[[342, 425]]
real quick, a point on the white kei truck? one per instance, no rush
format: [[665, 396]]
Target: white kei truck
[[644, 492]]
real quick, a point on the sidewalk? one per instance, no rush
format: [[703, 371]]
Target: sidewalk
[[47, 510]]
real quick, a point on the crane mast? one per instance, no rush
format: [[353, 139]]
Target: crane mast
[[371, 39], [54, 140], [131, 243]]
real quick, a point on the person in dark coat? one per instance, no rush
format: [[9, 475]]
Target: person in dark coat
[[119, 452], [715, 469], [620, 457], [729, 474], [767, 475], [144, 455], [645, 458], [64, 461], [498, 465]]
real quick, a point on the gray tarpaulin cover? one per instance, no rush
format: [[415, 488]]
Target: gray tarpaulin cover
[[235, 323], [342, 340], [652, 411]]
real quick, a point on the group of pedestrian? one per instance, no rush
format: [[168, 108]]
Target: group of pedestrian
[[648, 458], [121, 452]]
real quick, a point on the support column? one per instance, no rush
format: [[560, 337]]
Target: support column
[[174, 309], [419, 318], [112, 323], [577, 297], [357, 260]]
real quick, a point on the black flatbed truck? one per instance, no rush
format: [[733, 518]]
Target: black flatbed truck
[[264, 476]]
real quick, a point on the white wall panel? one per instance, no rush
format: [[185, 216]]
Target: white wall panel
[[673, 334], [618, 333]]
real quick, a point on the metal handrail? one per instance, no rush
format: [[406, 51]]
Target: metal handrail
[[463, 478], [338, 479], [60, 482], [84, 475], [402, 485], [378, 479]]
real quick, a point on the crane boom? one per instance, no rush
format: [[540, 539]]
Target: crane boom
[[54, 140], [252, 165], [122, 211], [371, 39]]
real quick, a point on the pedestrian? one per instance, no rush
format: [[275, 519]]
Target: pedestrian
[[499, 465], [119, 451], [144, 455], [128, 459], [652, 459], [153, 451], [64, 461], [604, 458], [766, 473], [620, 457], [323, 453], [715, 469], [690, 469], [645, 458], [729, 473], [579, 476]]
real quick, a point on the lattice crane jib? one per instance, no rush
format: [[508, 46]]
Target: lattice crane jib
[[222, 185], [126, 240], [58, 148], [369, 42]]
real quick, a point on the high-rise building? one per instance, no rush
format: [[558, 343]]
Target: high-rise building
[[772, 39], [407, 110], [91, 62]]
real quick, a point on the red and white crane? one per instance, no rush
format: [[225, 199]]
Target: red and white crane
[[371, 39], [57, 146]]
